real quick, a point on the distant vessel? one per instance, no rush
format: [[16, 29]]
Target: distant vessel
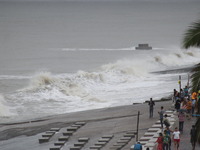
[[143, 47]]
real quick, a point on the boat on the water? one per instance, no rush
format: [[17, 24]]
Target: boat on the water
[[143, 47]]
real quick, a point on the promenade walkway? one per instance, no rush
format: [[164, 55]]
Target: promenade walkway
[[185, 136]]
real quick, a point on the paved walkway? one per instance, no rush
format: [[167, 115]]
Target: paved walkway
[[185, 136]]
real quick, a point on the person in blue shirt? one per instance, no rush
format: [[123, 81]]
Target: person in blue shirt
[[138, 146], [161, 115]]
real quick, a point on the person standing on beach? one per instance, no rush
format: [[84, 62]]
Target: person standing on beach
[[189, 108], [161, 115], [181, 116], [151, 104], [192, 138], [176, 137]]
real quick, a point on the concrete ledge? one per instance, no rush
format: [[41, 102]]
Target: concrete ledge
[[100, 143], [96, 147], [57, 147], [80, 123], [55, 129], [72, 128], [83, 139], [48, 134], [68, 133], [147, 134], [44, 139], [63, 138], [75, 148], [123, 141], [60, 143], [119, 144], [51, 132], [76, 125], [153, 129]]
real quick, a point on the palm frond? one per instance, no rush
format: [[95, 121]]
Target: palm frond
[[191, 37]]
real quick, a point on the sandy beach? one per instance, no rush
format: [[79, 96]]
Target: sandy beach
[[116, 121]]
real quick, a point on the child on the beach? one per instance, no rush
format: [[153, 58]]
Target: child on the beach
[[176, 137]]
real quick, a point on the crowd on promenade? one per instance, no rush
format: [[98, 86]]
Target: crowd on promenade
[[185, 105]]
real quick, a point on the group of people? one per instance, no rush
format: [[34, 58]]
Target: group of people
[[183, 103]]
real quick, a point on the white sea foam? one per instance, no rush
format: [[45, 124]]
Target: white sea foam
[[4, 109]]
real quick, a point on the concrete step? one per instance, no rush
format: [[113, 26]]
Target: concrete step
[[123, 141], [76, 125], [63, 138], [96, 147], [48, 134], [75, 148], [72, 128], [44, 139], [68, 133], [60, 143], [80, 123], [119, 144], [100, 143], [83, 139], [56, 147], [145, 138], [108, 136], [55, 129], [104, 140]]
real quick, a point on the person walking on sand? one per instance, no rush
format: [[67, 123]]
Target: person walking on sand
[[181, 116], [176, 137], [165, 140], [161, 116], [160, 142], [189, 108], [151, 104], [192, 136]]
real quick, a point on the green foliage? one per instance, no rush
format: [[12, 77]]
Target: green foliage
[[191, 37], [195, 79]]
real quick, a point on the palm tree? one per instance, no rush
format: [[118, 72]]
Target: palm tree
[[191, 38]]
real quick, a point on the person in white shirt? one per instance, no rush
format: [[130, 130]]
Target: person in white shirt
[[176, 137]]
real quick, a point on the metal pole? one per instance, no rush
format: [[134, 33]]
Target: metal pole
[[137, 125], [179, 85]]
